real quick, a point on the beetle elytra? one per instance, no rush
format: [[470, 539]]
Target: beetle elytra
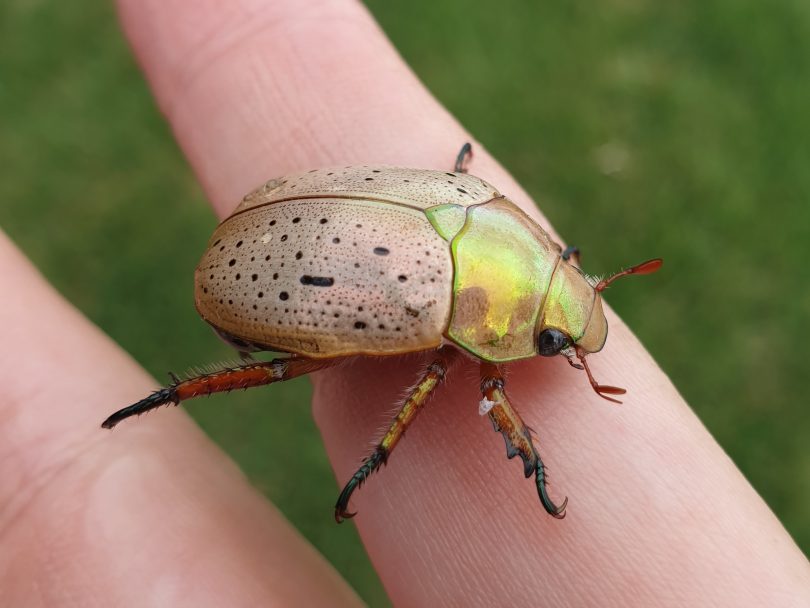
[[335, 263]]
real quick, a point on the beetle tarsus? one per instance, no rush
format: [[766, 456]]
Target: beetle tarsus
[[164, 396], [370, 464], [541, 479], [572, 251], [463, 158]]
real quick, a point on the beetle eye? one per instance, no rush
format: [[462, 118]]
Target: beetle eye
[[551, 341]]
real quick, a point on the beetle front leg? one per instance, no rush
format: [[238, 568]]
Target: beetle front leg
[[572, 251], [515, 433], [413, 404], [223, 381]]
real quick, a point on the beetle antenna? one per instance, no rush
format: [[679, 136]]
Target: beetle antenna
[[603, 390], [648, 267]]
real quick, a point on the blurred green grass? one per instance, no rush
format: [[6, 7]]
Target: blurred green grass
[[643, 129]]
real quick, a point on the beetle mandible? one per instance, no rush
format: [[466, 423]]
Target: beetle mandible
[[335, 263]]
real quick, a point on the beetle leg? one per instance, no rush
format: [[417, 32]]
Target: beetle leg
[[516, 434], [227, 379], [572, 251], [413, 404], [463, 158]]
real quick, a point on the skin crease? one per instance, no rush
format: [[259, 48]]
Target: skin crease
[[658, 515]]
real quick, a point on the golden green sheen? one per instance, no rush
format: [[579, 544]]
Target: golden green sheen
[[503, 265], [447, 220], [569, 302]]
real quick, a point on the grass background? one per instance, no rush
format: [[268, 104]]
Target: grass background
[[644, 129]]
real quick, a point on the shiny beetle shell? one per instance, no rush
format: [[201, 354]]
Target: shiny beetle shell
[[381, 261], [386, 260]]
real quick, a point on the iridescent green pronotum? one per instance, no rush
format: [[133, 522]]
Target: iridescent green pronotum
[[366, 260]]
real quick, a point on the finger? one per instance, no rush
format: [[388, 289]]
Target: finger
[[257, 89], [154, 515]]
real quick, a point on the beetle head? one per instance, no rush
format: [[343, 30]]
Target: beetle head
[[574, 324], [573, 317], [566, 333]]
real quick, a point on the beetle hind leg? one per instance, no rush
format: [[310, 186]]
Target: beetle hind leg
[[222, 381], [413, 404], [516, 434]]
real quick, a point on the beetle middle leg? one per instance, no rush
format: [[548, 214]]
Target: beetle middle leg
[[413, 404], [515, 433], [222, 381], [463, 158]]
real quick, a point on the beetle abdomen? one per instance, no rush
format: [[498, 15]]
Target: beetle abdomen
[[324, 277]]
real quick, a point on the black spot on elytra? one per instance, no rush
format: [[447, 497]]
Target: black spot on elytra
[[381, 251], [232, 262], [239, 244], [299, 255], [336, 240], [402, 278], [317, 281], [254, 277], [283, 237], [296, 220], [324, 220], [283, 295], [359, 325]]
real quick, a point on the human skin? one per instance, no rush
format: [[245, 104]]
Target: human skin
[[658, 514]]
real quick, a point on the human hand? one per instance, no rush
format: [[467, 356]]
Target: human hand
[[154, 513]]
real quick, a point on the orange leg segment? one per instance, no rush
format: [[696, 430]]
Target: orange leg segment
[[225, 380], [413, 405], [516, 434]]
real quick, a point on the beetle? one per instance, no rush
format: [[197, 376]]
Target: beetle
[[364, 260]]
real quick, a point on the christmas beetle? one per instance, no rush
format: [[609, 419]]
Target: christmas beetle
[[364, 260]]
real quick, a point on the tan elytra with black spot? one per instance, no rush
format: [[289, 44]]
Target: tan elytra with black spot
[[386, 260], [336, 261]]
